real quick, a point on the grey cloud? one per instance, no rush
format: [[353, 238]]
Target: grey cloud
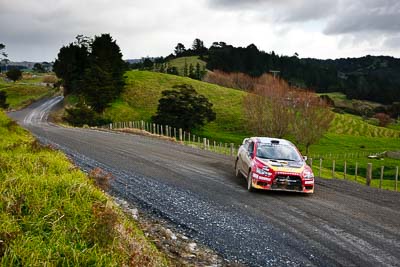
[[381, 16], [281, 11]]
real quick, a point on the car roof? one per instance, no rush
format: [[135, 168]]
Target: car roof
[[268, 140]]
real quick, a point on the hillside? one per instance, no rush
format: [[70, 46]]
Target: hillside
[[139, 102], [143, 89], [372, 78]]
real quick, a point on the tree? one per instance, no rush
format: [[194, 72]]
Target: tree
[[185, 69], [14, 74], [383, 118], [3, 55], [312, 118], [70, 65], [147, 64], [104, 78], [179, 49], [266, 108], [39, 68], [198, 47], [182, 107], [3, 99]]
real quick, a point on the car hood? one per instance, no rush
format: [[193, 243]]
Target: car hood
[[284, 166]]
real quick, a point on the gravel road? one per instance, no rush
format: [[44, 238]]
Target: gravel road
[[341, 224]]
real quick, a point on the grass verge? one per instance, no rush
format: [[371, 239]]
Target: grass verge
[[52, 214]]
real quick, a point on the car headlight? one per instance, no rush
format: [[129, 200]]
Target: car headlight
[[263, 171], [308, 174]]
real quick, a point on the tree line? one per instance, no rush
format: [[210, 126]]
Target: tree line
[[372, 78], [92, 69]]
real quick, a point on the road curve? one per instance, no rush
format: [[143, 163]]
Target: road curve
[[342, 224]]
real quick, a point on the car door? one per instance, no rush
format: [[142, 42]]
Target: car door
[[241, 155], [247, 158]]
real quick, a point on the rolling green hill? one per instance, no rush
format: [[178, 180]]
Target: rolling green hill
[[143, 89]]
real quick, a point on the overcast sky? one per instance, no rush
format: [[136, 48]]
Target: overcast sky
[[35, 30]]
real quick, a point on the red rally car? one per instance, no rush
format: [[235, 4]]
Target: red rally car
[[273, 164]]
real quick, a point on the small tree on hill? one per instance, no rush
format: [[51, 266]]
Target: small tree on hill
[[39, 68], [14, 74], [266, 108], [383, 118], [179, 49], [3, 99], [183, 108], [312, 118]]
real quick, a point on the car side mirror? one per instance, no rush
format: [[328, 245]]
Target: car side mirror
[[305, 158], [250, 154]]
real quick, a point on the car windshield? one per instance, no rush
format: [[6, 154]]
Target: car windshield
[[278, 152]]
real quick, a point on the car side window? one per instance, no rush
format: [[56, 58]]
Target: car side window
[[250, 149]]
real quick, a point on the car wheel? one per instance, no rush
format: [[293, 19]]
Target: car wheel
[[250, 187], [237, 171]]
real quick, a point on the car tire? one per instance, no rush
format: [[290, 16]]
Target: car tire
[[250, 187], [237, 171]]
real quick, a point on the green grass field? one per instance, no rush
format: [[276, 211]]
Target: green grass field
[[51, 214], [179, 63], [348, 137], [25, 91]]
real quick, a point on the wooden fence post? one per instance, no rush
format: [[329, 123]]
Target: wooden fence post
[[111, 126], [320, 167], [396, 178], [141, 125], [215, 147], [355, 172], [345, 169], [180, 134], [369, 174], [204, 143], [381, 180], [226, 148], [154, 128], [333, 169]]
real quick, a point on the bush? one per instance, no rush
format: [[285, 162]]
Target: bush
[[183, 108], [14, 74], [82, 114], [3, 99], [383, 118]]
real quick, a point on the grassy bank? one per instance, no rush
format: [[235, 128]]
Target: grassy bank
[[52, 214]]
